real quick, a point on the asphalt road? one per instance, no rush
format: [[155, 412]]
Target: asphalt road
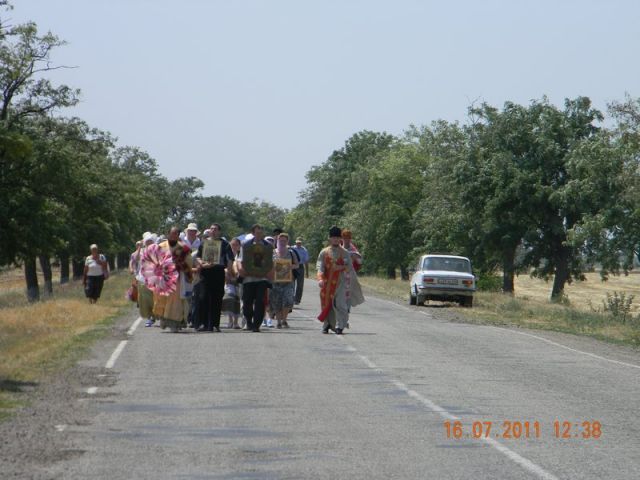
[[285, 404]]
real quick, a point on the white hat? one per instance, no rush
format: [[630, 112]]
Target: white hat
[[192, 226], [148, 236]]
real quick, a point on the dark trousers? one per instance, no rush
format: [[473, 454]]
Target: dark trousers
[[253, 303], [194, 306], [211, 293], [299, 278]]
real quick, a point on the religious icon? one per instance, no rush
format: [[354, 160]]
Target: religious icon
[[257, 259], [211, 251], [283, 270]]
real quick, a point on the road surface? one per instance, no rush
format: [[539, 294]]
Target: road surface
[[297, 404]]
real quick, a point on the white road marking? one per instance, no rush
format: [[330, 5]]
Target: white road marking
[[567, 348], [510, 454], [116, 353], [525, 334], [92, 390], [60, 428], [368, 362], [408, 309], [134, 326]]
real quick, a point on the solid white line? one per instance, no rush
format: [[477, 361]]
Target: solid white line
[[510, 454], [92, 390], [520, 460], [528, 335], [116, 353], [567, 348], [134, 326]]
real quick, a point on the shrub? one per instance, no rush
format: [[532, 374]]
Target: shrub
[[489, 283], [618, 305]]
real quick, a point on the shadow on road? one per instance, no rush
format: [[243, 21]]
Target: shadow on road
[[16, 386]]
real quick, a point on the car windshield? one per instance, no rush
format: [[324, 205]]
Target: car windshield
[[447, 264]]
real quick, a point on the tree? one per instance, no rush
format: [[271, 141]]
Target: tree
[[24, 56], [233, 215], [333, 184], [180, 199], [498, 185], [443, 222], [391, 187]]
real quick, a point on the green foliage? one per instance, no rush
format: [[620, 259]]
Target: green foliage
[[237, 217], [523, 188], [333, 187], [488, 282], [24, 54]]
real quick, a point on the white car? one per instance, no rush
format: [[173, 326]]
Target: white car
[[445, 278]]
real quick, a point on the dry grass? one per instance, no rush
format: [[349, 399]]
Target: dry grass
[[583, 296], [581, 313], [36, 339]]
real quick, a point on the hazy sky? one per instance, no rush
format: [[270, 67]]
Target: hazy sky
[[249, 94]]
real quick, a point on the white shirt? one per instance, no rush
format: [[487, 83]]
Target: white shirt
[[192, 246], [94, 268]]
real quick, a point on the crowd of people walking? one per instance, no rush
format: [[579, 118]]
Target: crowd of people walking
[[191, 279]]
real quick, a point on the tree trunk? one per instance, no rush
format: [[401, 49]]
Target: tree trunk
[[508, 268], [561, 276], [45, 264], [404, 273], [78, 268], [64, 268], [112, 263], [123, 261], [31, 277], [391, 273]]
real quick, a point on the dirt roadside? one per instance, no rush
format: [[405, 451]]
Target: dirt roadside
[[36, 436]]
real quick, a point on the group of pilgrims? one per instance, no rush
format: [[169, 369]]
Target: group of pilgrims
[[190, 279]]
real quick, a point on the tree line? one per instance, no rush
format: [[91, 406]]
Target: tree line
[[65, 185], [551, 191]]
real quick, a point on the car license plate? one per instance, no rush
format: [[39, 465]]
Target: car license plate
[[448, 281]]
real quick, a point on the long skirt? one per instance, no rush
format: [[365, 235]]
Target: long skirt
[[171, 310], [145, 300], [230, 304], [281, 296]]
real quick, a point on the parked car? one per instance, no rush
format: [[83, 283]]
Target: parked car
[[445, 278]]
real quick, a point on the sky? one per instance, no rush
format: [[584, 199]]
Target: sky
[[248, 95]]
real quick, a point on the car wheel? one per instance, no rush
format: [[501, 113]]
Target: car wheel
[[467, 302], [412, 298]]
